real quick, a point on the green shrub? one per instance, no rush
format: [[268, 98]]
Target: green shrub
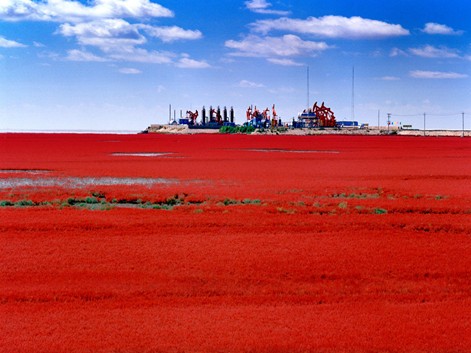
[[173, 201], [24, 203], [251, 202], [72, 201], [98, 194], [237, 129], [91, 200], [228, 202], [161, 207]]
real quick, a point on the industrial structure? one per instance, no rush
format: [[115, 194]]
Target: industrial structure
[[262, 119], [315, 117], [214, 119]]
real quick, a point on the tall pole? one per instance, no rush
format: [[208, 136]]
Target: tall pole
[[389, 120], [353, 93], [308, 101]]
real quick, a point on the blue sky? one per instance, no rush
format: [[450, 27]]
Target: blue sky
[[118, 64]]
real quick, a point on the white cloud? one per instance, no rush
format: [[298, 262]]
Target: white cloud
[[429, 51], [79, 55], [436, 28], [250, 84], [6, 43], [75, 11], [285, 46], [436, 75], [284, 62], [108, 35], [119, 40], [263, 7], [389, 78], [332, 27], [104, 24], [129, 71], [397, 52], [170, 34], [140, 55], [187, 63]]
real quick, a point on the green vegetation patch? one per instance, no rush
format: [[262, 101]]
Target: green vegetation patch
[[237, 129]]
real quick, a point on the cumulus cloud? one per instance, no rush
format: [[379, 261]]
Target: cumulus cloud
[[75, 11], [436, 75], [332, 27], [170, 34], [108, 35], [429, 51], [397, 52], [140, 55], [129, 71], [263, 7], [187, 63], [6, 43], [273, 47], [389, 78], [436, 28], [104, 24], [80, 55], [250, 84], [115, 27], [120, 40], [284, 62]]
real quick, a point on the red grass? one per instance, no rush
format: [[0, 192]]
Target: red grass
[[269, 251]]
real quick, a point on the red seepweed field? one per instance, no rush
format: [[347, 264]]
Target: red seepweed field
[[234, 243]]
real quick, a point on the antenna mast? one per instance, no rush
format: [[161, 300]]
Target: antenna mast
[[353, 93], [308, 102]]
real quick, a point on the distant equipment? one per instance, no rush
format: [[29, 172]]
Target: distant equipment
[[348, 123], [263, 119], [316, 117], [210, 119]]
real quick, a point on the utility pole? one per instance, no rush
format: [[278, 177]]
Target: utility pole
[[353, 93], [308, 101], [389, 121]]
